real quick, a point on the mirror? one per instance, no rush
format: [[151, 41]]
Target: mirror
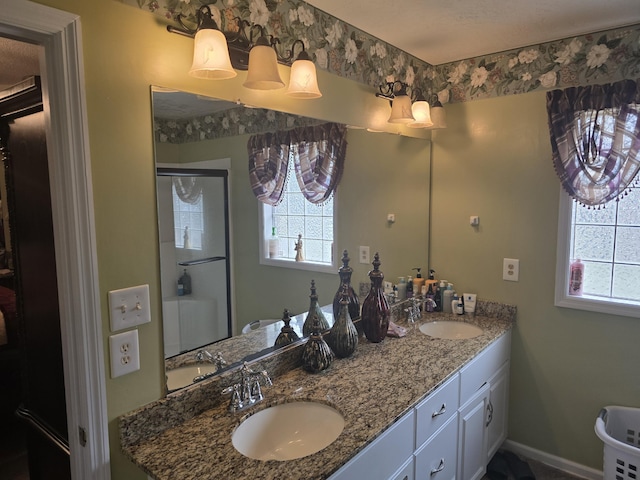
[[383, 174]]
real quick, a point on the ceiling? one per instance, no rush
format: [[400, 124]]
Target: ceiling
[[442, 31]]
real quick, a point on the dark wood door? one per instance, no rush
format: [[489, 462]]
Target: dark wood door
[[43, 395]]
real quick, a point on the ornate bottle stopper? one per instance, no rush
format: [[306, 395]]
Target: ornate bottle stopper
[[345, 272], [314, 312]]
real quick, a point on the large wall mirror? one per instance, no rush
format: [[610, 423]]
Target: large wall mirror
[[201, 140]]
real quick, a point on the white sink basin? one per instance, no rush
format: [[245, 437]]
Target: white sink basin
[[450, 330], [183, 376], [288, 431]]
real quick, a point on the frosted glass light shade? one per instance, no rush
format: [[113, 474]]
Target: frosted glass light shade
[[438, 116], [401, 110], [421, 112], [211, 56], [303, 82], [263, 69]]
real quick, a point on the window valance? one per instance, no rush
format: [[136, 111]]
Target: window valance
[[318, 153], [595, 139]]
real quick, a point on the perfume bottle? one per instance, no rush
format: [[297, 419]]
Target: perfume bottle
[[345, 272], [314, 312], [375, 308]]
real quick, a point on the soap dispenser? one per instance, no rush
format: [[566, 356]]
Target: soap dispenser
[[185, 280], [418, 282], [314, 312]]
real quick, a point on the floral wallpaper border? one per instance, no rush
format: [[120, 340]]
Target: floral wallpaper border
[[229, 123], [346, 51]]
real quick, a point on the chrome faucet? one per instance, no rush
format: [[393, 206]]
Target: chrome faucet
[[413, 311], [203, 356], [247, 392]]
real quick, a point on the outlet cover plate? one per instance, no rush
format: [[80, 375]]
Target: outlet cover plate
[[125, 353], [510, 269], [129, 307]]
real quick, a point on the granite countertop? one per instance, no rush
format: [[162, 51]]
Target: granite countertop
[[372, 389]]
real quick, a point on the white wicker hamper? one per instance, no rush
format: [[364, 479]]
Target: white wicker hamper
[[619, 429]]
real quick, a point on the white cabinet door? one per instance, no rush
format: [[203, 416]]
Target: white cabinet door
[[498, 410], [472, 436]]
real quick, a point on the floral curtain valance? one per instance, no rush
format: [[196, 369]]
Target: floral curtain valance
[[595, 139], [318, 151]]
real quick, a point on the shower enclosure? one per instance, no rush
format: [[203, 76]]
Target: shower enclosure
[[194, 257]]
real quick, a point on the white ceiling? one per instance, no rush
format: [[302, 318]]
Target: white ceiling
[[442, 31]]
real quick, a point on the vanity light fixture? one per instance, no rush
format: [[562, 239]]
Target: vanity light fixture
[[217, 55], [438, 115], [421, 112], [396, 93]]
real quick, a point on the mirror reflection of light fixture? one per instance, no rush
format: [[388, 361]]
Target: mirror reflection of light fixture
[[412, 110], [438, 115], [218, 55], [421, 112], [396, 93]]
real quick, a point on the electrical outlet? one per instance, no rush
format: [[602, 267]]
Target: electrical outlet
[[364, 254], [125, 356], [510, 269], [129, 307]]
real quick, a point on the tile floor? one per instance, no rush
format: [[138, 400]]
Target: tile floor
[[543, 472]]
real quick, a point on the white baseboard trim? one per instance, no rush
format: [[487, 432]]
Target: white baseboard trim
[[570, 467]]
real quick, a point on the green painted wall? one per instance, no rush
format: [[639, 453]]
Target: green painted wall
[[377, 166], [494, 161]]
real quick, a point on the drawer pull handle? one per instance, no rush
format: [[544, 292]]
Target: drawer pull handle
[[442, 410], [489, 413], [439, 469]]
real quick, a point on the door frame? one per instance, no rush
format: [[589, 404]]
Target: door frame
[[62, 72]]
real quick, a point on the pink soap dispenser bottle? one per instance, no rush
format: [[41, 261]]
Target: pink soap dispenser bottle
[[576, 278]]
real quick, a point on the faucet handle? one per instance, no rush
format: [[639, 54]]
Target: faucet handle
[[236, 402], [219, 361]]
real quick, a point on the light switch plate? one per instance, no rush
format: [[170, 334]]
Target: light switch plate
[[129, 307], [363, 255], [125, 356], [510, 269]]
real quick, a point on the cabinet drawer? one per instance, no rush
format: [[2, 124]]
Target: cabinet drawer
[[480, 369], [437, 459], [433, 412], [384, 456], [405, 472]]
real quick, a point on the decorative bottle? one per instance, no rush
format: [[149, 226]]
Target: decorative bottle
[[345, 272], [287, 333], [185, 280], [314, 312], [316, 355], [375, 308], [344, 336]]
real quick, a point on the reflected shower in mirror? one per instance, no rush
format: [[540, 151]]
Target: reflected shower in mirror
[[194, 260]]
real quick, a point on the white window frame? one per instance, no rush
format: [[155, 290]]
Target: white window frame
[[264, 232], [586, 302]]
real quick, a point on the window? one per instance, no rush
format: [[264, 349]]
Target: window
[[187, 221], [293, 216], [607, 241]]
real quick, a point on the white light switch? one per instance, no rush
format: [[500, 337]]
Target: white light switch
[[129, 307], [510, 269], [125, 353]]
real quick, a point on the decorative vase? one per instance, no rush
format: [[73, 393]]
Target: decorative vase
[[345, 272], [317, 355], [287, 333], [375, 308], [343, 335], [315, 312]]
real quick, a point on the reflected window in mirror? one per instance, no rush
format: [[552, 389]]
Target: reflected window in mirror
[[294, 216], [188, 212]]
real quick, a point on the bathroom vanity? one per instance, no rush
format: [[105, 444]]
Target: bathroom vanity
[[415, 405]]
